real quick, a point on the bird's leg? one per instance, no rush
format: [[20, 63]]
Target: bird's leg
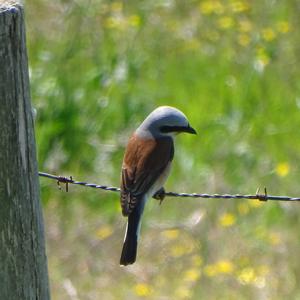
[[160, 195]]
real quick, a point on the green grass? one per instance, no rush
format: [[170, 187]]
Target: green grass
[[97, 69]]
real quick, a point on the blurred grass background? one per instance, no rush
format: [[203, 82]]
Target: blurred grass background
[[97, 68]]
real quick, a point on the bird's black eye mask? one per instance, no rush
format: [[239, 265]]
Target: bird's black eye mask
[[168, 129], [178, 129]]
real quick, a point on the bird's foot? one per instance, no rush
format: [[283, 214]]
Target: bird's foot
[[160, 195]]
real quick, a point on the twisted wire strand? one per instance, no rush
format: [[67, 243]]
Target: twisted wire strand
[[257, 196]]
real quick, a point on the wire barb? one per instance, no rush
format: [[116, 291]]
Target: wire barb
[[62, 179], [257, 196]]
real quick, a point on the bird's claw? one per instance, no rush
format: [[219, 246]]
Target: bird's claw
[[160, 195]]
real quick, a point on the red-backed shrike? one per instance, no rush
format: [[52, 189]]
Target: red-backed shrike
[[146, 166]]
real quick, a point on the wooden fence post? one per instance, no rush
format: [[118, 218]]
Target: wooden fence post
[[23, 263]]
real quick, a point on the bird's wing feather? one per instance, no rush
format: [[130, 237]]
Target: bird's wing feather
[[144, 162]]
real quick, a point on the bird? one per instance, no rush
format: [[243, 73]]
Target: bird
[[146, 166]]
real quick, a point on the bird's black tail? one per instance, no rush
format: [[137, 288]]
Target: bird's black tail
[[129, 250]]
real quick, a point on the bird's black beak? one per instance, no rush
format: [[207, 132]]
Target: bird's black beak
[[190, 130]]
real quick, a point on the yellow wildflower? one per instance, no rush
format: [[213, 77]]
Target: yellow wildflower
[[283, 27], [171, 234], [224, 266], [255, 203], [220, 267], [282, 169], [262, 58], [206, 7], [244, 39], [239, 6], [210, 6], [227, 220], [143, 289], [192, 274], [134, 20], [104, 232], [268, 34], [113, 23], [225, 22], [247, 275], [116, 6]]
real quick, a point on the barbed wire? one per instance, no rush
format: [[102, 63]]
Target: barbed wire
[[256, 196]]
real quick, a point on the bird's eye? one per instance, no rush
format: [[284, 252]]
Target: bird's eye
[[165, 129]]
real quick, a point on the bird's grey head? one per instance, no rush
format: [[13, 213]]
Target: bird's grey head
[[164, 121]]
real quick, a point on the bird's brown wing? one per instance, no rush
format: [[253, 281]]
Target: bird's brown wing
[[144, 162]]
